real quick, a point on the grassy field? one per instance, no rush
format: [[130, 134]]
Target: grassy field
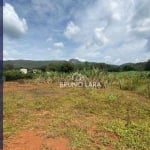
[[114, 118]]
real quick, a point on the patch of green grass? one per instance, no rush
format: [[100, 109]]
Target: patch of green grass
[[112, 98], [79, 138], [134, 136]]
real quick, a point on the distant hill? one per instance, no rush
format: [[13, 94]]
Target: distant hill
[[134, 66], [74, 61], [30, 64]]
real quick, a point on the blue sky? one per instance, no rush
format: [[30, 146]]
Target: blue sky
[[110, 31]]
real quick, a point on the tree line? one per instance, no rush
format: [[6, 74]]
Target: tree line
[[71, 67]]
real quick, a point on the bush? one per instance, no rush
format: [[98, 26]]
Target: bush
[[128, 68], [147, 66], [8, 67], [15, 75], [66, 67]]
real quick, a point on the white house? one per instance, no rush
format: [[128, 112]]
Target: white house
[[24, 71], [36, 71]]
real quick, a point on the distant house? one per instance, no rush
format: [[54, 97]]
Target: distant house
[[36, 71], [24, 71]]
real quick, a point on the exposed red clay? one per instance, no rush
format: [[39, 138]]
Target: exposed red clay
[[31, 140], [57, 143]]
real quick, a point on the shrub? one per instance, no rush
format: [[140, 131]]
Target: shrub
[[15, 75], [66, 67], [147, 66]]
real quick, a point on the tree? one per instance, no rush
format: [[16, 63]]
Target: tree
[[147, 65], [128, 68], [43, 68], [8, 67], [66, 67], [53, 67]]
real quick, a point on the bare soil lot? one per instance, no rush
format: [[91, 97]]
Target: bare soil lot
[[46, 117]]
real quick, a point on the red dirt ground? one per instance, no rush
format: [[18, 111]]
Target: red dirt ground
[[15, 86], [30, 140]]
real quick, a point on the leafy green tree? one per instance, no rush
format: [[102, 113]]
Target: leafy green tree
[[15, 75], [54, 67], [147, 66], [8, 67], [128, 68], [66, 67], [43, 68]]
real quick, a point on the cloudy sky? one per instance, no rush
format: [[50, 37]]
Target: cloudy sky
[[110, 31]]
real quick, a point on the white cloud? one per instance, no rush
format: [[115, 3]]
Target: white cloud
[[100, 36], [80, 59], [117, 61], [71, 30], [8, 55], [142, 27], [137, 60], [114, 28], [49, 39], [107, 58], [87, 51], [114, 7], [59, 45], [13, 25], [100, 30], [5, 55], [55, 54]]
